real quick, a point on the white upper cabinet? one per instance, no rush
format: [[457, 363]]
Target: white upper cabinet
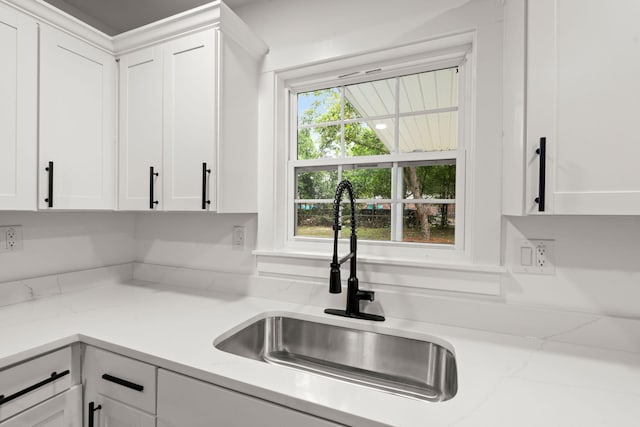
[[18, 110], [190, 123], [206, 84], [140, 129], [582, 98], [77, 123]]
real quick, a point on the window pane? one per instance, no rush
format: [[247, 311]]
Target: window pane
[[429, 132], [370, 99], [319, 106], [429, 91], [371, 138], [316, 184], [314, 220], [429, 223], [319, 142], [368, 182], [373, 221], [436, 181]]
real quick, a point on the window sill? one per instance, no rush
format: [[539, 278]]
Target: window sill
[[440, 276]]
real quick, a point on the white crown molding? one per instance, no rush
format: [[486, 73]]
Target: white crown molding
[[205, 16], [209, 15], [50, 15]]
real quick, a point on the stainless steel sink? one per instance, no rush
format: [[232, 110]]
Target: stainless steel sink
[[399, 365]]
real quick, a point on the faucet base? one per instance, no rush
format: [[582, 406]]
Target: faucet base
[[365, 316]]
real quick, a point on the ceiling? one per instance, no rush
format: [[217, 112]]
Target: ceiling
[[118, 16]]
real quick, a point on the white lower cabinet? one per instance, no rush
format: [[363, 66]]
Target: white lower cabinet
[[110, 413], [183, 401], [63, 410], [119, 391]]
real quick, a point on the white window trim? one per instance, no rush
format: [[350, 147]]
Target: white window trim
[[308, 256]]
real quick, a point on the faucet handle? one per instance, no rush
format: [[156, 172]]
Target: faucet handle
[[365, 295], [335, 284]]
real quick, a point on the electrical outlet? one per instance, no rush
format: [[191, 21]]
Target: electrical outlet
[[239, 235], [11, 238], [535, 256]]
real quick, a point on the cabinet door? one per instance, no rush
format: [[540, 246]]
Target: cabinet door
[[183, 401], [64, 410], [583, 86], [77, 122], [190, 123], [115, 414], [140, 146], [18, 110]]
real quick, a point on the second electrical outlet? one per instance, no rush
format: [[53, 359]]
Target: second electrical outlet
[[10, 238]]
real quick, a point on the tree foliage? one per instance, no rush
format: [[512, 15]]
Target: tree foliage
[[318, 139]]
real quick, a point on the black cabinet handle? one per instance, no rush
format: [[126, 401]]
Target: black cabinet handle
[[152, 176], [49, 198], [205, 173], [124, 383], [54, 376], [92, 408], [542, 152]]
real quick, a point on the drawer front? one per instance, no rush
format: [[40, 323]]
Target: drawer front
[[34, 381], [120, 378]]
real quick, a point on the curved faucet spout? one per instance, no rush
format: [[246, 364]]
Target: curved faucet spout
[[354, 294]]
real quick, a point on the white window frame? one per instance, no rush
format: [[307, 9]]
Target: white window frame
[[429, 267], [458, 56], [395, 159]]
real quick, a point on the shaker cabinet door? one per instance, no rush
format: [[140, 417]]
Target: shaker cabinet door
[[190, 122], [77, 123], [583, 97], [140, 130], [18, 110], [63, 410]]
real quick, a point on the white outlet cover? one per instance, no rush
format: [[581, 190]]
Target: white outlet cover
[[538, 263], [17, 238]]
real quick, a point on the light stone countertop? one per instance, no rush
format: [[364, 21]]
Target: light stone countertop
[[503, 380]]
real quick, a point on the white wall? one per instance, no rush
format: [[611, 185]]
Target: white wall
[[56, 242], [194, 240], [597, 264]]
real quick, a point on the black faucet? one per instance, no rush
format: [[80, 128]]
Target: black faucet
[[354, 295]]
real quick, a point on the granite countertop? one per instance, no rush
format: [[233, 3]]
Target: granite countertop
[[572, 378]]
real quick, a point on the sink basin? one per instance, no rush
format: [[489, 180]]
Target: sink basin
[[399, 365]]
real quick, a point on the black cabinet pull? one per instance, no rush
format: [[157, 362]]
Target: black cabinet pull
[[49, 198], [54, 376], [205, 173], [124, 383], [152, 176], [92, 408], [542, 152]]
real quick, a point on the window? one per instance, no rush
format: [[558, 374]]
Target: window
[[397, 140]]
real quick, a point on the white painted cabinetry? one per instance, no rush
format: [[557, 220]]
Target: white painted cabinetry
[[140, 129], [18, 110], [183, 401], [206, 84], [582, 96], [77, 123], [167, 121], [118, 391], [42, 391], [190, 123], [63, 410]]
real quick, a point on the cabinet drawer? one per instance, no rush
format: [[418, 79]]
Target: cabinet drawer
[[121, 378], [29, 383]]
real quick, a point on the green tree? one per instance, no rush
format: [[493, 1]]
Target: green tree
[[420, 182]]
